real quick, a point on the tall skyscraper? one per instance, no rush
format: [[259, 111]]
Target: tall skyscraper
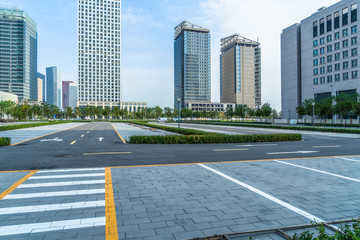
[[43, 79], [39, 90], [66, 93], [73, 95], [192, 64], [319, 56], [53, 86], [240, 71], [18, 58], [99, 52]]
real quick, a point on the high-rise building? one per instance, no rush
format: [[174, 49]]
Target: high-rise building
[[319, 56], [192, 64], [39, 90], [53, 86], [43, 79], [240, 71], [66, 93], [99, 52], [18, 58], [73, 95]]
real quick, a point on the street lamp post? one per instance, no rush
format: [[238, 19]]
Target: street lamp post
[[313, 117], [179, 112]]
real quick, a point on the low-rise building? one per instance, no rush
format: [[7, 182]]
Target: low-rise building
[[5, 96], [209, 107]]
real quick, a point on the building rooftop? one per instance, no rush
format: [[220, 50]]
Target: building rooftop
[[237, 38], [16, 14], [185, 25]]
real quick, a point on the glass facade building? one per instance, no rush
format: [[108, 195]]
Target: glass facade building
[[53, 86], [18, 54], [192, 64], [43, 79]]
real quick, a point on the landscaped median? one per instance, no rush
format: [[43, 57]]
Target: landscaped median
[[29, 125], [5, 141], [191, 136]]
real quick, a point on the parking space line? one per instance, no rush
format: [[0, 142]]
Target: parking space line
[[348, 159], [70, 176], [51, 207], [316, 170], [263, 194], [51, 226], [54, 194], [110, 212], [118, 134], [16, 185], [57, 184]]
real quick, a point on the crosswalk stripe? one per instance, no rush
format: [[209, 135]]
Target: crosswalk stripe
[[69, 176], [57, 184], [54, 194], [51, 207], [51, 226], [71, 170]]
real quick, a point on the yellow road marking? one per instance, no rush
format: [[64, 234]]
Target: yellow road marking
[[106, 153], [336, 146], [118, 133], [72, 142], [110, 213], [226, 150], [18, 183], [44, 136], [15, 171]]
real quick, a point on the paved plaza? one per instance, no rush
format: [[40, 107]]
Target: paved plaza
[[177, 201]]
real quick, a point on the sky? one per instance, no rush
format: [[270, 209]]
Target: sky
[[147, 39]]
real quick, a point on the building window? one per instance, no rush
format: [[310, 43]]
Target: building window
[[322, 80], [322, 51], [329, 58], [354, 63], [337, 67], [345, 32], [353, 40], [354, 29], [328, 23], [353, 52], [315, 53], [322, 60], [315, 29], [345, 76], [322, 41], [322, 70], [337, 35], [329, 79], [329, 38], [316, 62], [354, 74], [336, 20], [329, 68], [337, 56], [337, 46], [316, 72], [316, 81], [354, 12], [345, 65], [322, 26], [345, 43], [329, 48], [337, 77], [315, 43], [345, 16], [345, 54]]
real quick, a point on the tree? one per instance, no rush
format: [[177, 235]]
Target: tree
[[106, 112], [240, 110], [68, 112], [158, 112], [251, 112], [266, 110], [344, 104], [116, 112], [7, 107], [259, 112], [324, 108], [168, 112], [77, 111]]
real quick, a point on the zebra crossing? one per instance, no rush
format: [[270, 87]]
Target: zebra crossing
[[58, 204]]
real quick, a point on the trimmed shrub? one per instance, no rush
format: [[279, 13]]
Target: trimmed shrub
[[5, 141], [219, 138], [29, 125]]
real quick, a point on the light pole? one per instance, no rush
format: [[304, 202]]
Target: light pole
[[313, 118], [179, 112]]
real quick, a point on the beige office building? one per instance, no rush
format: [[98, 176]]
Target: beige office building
[[39, 90], [240, 71]]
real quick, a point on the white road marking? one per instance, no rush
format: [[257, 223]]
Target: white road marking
[[302, 152], [52, 140], [51, 207], [315, 170], [274, 199], [71, 170], [100, 139], [82, 135], [55, 194], [57, 184], [51, 226], [259, 145], [73, 143], [87, 132], [69, 176], [229, 150], [348, 159]]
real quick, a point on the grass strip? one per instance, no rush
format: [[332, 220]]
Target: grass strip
[[5, 141], [29, 125]]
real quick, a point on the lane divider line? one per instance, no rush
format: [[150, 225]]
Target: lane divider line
[[106, 153], [45, 135], [319, 171], [228, 150], [118, 134], [82, 135], [16, 185], [73, 142], [263, 194], [335, 146], [111, 230], [348, 159]]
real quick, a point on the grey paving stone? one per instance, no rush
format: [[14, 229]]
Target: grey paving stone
[[216, 231], [188, 235]]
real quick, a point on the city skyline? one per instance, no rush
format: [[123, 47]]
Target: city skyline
[[147, 39]]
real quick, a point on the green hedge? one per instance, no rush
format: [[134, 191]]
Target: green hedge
[[220, 138], [5, 141], [302, 128], [29, 125]]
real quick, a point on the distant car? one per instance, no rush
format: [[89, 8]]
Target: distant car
[[162, 120]]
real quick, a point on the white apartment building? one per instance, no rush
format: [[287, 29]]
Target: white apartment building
[[99, 52]]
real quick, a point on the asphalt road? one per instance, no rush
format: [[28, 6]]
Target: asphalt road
[[98, 145]]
